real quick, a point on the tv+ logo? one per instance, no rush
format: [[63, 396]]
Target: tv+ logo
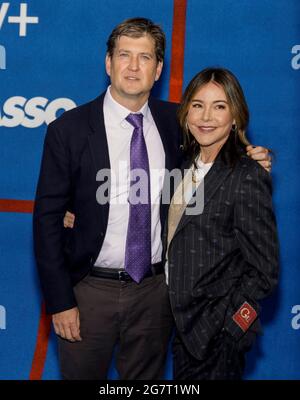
[[22, 19]]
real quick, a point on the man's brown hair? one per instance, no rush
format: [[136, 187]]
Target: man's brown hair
[[136, 28]]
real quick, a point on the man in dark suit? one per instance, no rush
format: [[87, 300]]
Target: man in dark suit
[[103, 281], [94, 300]]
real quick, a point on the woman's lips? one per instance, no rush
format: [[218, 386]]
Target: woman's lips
[[206, 129]]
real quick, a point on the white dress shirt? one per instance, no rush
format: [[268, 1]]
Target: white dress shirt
[[119, 133]]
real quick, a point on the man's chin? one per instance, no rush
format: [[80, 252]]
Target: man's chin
[[135, 93]]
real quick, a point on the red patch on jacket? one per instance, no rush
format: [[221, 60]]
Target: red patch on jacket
[[244, 316]]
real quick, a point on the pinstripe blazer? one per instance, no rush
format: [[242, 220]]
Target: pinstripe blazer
[[222, 261]]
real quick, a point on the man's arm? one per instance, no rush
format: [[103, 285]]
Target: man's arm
[[257, 153], [52, 199]]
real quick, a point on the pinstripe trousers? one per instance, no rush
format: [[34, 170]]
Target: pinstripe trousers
[[224, 361]]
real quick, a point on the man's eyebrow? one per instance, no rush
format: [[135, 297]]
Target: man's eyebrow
[[147, 53], [142, 52]]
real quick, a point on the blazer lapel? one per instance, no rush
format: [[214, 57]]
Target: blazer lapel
[[99, 147], [212, 181], [97, 137]]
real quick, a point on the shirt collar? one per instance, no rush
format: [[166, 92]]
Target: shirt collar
[[120, 112]]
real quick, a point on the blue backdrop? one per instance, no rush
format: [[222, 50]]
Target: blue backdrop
[[55, 60]]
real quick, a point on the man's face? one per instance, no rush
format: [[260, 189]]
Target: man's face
[[133, 69]]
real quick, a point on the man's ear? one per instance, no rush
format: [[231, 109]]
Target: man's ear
[[108, 64], [159, 68]]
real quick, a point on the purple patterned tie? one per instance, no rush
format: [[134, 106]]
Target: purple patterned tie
[[138, 241]]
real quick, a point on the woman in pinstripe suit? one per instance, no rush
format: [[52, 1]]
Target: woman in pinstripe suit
[[222, 258], [205, 263]]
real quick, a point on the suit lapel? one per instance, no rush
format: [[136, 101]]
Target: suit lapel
[[97, 137], [99, 147], [212, 181]]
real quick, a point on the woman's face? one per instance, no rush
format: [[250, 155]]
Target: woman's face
[[209, 117]]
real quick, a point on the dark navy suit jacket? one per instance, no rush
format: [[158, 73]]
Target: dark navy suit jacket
[[75, 149]]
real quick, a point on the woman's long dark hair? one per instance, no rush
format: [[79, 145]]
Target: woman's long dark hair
[[237, 141]]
